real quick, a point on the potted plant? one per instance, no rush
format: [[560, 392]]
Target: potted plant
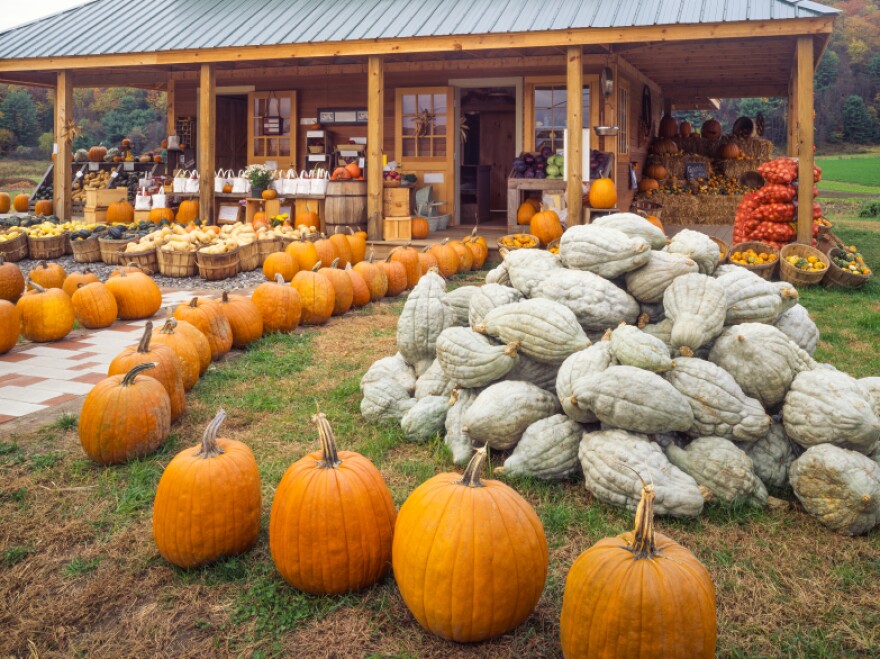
[[260, 178]]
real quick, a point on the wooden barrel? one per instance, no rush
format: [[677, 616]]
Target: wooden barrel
[[346, 203]]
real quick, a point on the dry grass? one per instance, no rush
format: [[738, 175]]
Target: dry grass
[[80, 575]]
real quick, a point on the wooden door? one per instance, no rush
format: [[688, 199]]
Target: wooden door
[[425, 139], [497, 149], [264, 147], [232, 134]]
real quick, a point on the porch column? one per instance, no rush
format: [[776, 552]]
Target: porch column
[[207, 155], [170, 106], [574, 159], [62, 173], [805, 139], [375, 120], [791, 110]]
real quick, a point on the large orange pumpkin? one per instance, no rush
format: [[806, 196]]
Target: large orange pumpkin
[[10, 322], [48, 275], [658, 587], [94, 305], [207, 317], [357, 241], [120, 212], [354, 171], [427, 260], [11, 281], [194, 524], [317, 295], [46, 314], [656, 171], [603, 193], [546, 226], [137, 295], [74, 279], [186, 351], [5, 202], [21, 203], [465, 257], [420, 228], [347, 546], [479, 251], [307, 217], [668, 127], [730, 151], [343, 290], [395, 273], [196, 338], [326, 251], [375, 277], [408, 257], [304, 252], [343, 249], [525, 212], [359, 289], [43, 207], [244, 318], [280, 263], [280, 305], [188, 211], [711, 130], [442, 530], [97, 153], [653, 219], [648, 185], [159, 214], [448, 261]]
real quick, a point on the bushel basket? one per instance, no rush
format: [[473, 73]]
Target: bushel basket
[[52, 247], [87, 250], [176, 264], [16, 249], [217, 266], [796, 276], [112, 249], [764, 270], [268, 246], [837, 276], [146, 261], [249, 257]]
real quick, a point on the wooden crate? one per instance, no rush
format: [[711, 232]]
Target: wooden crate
[[103, 198], [142, 216], [270, 207], [397, 228], [395, 202], [95, 215]]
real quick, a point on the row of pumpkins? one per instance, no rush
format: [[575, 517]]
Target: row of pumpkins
[[21, 203], [626, 353], [481, 597]]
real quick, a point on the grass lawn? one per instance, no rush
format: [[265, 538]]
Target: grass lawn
[[17, 176], [862, 169], [80, 575]]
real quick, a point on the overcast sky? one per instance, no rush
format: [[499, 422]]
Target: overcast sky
[[16, 12]]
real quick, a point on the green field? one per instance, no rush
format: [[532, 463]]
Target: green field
[[862, 169]]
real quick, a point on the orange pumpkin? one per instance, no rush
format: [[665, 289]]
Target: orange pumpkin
[[227, 189], [317, 295], [448, 261], [711, 130], [279, 304], [354, 171], [97, 153], [196, 338], [409, 258], [307, 217], [11, 281], [186, 351], [188, 211], [420, 228], [21, 203], [396, 275], [357, 242], [280, 263], [269, 193], [730, 151], [478, 248], [10, 322], [47, 275], [546, 227], [684, 129], [656, 171], [668, 127], [343, 289], [359, 289], [46, 313], [343, 249], [305, 253], [603, 193], [326, 251], [5, 202], [525, 212], [648, 185], [535, 202], [375, 277], [465, 257], [653, 219], [259, 220], [94, 305], [43, 207], [244, 318], [207, 316], [74, 279], [159, 214], [120, 212], [427, 260]]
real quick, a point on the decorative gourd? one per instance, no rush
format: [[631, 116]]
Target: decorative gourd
[[719, 405], [5, 202], [545, 330], [158, 214], [424, 316], [750, 299], [711, 129], [433, 382], [603, 193], [10, 321], [357, 242], [486, 298], [538, 373], [420, 228], [470, 360], [660, 588], [347, 545], [137, 295], [697, 306], [245, 319], [206, 315], [448, 260], [43, 207], [343, 250], [125, 416], [186, 351], [377, 280], [343, 291], [11, 281], [771, 456], [395, 275], [761, 359], [723, 472], [391, 368], [648, 283], [465, 257], [797, 325], [317, 296], [528, 268], [547, 450], [459, 300], [825, 406], [458, 441], [46, 314], [502, 412], [409, 259], [48, 275], [633, 347], [838, 487], [304, 252], [656, 171], [94, 306], [167, 368], [188, 211], [280, 305], [634, 226], [120, 212], [545, 226], [425, 419], [698, 247], [606, 252], [385, 401], [525, 213], [280, 263], [594, 359], [360, 292], [469, 600], [612, 461], [74, 279], [194, 524], [595, 301]]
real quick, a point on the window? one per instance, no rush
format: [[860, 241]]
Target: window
[[424, 121], [623, 119], [550, 102], [263, 145]]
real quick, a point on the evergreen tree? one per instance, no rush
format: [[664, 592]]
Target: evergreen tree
[[18, 115], [859, 126], [826, 72]]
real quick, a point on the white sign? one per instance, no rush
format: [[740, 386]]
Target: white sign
[[93, 166], [228, 213], [271, 164], [128, 166], [55, 149], [433, 177]]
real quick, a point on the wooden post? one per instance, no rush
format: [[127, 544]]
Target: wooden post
[[170, 106], [612, 144], [574, 158], [207, 151], [375, 120], [805, 139], [791, 113], [62, 182]]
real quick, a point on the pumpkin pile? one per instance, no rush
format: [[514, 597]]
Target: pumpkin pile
[[624, 352]]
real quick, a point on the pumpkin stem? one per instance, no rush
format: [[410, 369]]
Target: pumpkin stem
[[128, 380], [335, 264], [471, 476], [686, 352], [329, 456], [30, 282], [194, 303], [144, 345], [453, 397], [210, 448], [316, 267], [643, 533], [511, 348], [279, 279], [168, 327], [225, 298]]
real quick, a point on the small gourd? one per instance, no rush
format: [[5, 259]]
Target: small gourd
[[459, 300], [487, 298], [548, 450], [648, 283], [425, 419], [633, 347], [634, 226], [425, 315], [596, 302], [502, 412], [458, 441], [471, 360], [604, 251], [698, 247], [594, 359], [697, 306], [797, 325]]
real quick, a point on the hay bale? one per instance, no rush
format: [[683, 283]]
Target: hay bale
[[675, 163], [736, 168], [754, 148], [696, 209]]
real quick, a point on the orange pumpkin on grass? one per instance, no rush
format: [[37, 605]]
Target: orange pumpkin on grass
[[357, 242], [280, 305], [244, 318], [10, 322], [343, 290], [11, 281], [409, 259], [94, 306], [427, 260], [317, 296], [187, 352], [280, 263], [305, 254], [326, 251], [343, 249], [375, 278], [207, 317], [396, 275], [359, 289], [448, 261]]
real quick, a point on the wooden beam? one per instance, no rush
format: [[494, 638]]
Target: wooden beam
[[573, 158], [362, 47], [805, 139], [62, 183], [207, 137], [678, 91], [625, 67], [791, 145], [171, 106], [375, 123]]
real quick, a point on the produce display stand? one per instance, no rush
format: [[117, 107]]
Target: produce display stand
[[270, 207], [518, 187]]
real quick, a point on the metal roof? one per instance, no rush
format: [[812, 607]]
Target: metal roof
[[122, 26]]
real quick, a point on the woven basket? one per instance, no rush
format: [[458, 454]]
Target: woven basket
[[509, 247], [765, 270], [147, 261], [217, 266], [46, 248], [724, 247], [552, 244], [837, 276], [268, 246], [177, 264], [795, 276], [112, 249], [16, 249], [86, 251], [249, 257], [285, 241]]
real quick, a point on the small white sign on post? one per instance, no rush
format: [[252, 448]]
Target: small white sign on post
[[128, 166], [228, 213], [93, 166]]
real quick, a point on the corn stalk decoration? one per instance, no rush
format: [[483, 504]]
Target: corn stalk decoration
[[424, 122], [70, 131], [463, 128]]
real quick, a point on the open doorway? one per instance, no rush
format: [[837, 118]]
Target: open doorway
[[231, 140], [488, 145]]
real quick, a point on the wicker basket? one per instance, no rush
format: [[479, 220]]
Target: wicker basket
[[765, 270], [268, 246], [16, 249], [285, 241], [552, 244], [112, 249], [46, 248], [646, 207], [86, 251], [724, 247], [837, 276], [249, 257], [177, 264], [795, 276], [217, 266], [68, 244], [147, 261], [509, 247]]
